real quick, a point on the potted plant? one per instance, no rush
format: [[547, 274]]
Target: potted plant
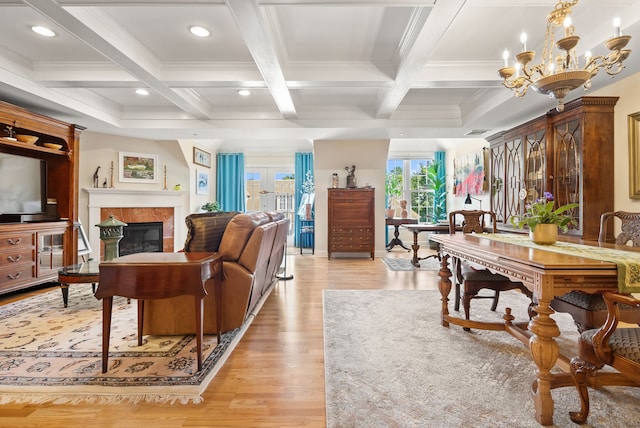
[[436, 183], [543, 220], [212, 207]]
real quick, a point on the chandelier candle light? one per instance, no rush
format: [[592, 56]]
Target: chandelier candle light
[[557, 75]]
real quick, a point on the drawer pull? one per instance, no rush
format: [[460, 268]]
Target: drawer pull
[[16, 276], [16, 242], [17, 259]]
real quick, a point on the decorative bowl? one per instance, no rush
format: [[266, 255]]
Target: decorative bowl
[[53, 146], [28, 139]]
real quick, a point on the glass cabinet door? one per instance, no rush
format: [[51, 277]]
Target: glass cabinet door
[[514, 173], [50, 253], [535, 166], [568, 147]]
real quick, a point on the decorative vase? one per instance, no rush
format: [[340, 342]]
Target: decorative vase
[[391, 212], [544, 234], [403, 206], [307, 212], [335, 180]]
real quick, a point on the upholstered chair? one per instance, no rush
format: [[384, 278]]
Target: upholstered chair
[[608, 345], [589, 310], [469, 280]]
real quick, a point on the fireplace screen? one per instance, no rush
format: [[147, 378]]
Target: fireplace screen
[[141, 238]]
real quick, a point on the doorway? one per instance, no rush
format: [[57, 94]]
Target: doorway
[[271, 189]]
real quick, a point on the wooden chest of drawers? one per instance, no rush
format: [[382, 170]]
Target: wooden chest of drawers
[[351, 219]]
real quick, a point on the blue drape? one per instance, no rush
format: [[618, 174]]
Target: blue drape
[[442, 173], [230, 192], [303, 163]]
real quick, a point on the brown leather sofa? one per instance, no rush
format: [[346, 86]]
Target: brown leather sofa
[[252, 247]]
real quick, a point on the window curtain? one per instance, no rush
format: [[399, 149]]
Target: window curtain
[[230, 192], [441, 196], [303, 163]]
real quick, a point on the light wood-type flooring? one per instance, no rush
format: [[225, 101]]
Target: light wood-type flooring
[[274, 377]]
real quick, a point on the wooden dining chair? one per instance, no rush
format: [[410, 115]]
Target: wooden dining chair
[[469, 280], [589, 310], [608, 345]]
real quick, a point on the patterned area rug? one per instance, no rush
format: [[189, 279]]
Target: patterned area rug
[[389, 363], [52, 353], [399, 264]]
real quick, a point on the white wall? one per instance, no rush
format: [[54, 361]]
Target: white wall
[[370, 159], [628, 90]]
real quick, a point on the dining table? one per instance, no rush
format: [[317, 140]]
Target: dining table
[[548, 271]]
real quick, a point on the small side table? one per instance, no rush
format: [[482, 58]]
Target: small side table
[[81, 273], [396, 223], [307, 238], [158, 276]]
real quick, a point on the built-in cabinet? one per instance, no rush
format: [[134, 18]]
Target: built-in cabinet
[[568, 153], [32, 252], [351, 227]]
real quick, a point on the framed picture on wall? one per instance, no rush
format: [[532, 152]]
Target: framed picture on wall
[[202, 182], [138, 167], [202, 158]]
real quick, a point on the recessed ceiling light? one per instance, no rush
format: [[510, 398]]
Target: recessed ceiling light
[[142, 92], [244, 92], [43, 31], [196, 30]]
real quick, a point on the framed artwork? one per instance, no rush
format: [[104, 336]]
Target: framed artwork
[[202, 182], [138, 167], [634, 155], [200, 157]]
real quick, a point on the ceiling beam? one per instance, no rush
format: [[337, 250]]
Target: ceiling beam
[[98, 31], [259, 41], [418, 52]]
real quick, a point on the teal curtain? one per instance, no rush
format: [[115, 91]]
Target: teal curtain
[[230, 191], [303, 163], [440, 198]]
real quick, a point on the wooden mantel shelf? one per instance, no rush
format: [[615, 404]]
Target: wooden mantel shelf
[[114, 191]]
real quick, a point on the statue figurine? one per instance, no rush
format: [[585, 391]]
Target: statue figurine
[[351, 176], [104, 184], [95, 177]]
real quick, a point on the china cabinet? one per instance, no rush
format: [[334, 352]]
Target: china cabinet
[[34, 247], [568, 153], [351, 221]]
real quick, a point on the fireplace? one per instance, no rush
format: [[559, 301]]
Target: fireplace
[[142, 237], [136, 206]]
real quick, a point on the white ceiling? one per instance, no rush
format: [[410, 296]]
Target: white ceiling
[[318, 69]]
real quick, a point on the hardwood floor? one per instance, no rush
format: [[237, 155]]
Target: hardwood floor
[[274, 377]]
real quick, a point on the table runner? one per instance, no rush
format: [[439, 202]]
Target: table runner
[[628, 262]]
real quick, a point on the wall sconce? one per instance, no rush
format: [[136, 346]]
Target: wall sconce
[[469, 198]]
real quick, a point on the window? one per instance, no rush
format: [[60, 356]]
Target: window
[[407, 180]]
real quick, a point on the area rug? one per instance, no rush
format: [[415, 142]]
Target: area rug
[[52, 353], [389, 363], [400, 264]]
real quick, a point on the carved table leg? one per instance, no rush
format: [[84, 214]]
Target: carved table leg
[[544, 350], [415, 260], [445, 287]]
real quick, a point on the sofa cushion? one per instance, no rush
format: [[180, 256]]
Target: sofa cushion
[[237, 233], [205, 230]]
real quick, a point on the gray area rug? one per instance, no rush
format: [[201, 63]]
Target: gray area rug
[[389, 363], [399, 264]]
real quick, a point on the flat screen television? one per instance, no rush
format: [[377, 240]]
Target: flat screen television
[[23, 185]]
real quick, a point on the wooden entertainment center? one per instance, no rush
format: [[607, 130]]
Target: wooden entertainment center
[[32, 250]]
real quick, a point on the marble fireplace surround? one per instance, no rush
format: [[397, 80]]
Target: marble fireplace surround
[[167, 206]]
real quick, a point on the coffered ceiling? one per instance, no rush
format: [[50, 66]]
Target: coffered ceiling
[[316, 69]]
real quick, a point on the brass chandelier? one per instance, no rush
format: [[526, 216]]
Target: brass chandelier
[[558, 74]]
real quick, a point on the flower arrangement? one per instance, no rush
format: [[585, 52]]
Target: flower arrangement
[[307, 185], [541, 212]]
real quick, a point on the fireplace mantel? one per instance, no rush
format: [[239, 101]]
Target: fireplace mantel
[[132, 198]]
